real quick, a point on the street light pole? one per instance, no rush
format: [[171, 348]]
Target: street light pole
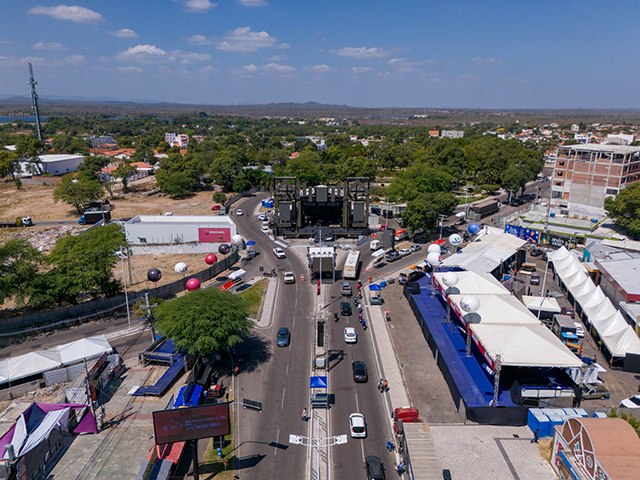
[[126, 294]]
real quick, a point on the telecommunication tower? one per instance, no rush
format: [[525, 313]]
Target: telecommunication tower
[[34, 102]]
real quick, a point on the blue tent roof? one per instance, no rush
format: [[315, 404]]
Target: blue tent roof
[[251, 242], [318, 382], [375, 287]]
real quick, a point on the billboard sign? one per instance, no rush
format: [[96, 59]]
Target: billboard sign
[[191, 423], [214, 235], [527, 234]]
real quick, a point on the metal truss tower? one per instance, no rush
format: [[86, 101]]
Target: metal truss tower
[[34, 102]]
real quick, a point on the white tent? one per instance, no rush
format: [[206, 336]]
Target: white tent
[[524, 345], [544, 304], [473, 283], [498, 309], [615, 332], [34, 363]]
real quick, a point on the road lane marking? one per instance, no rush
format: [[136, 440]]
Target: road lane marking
[[275, 448], [284, 394]]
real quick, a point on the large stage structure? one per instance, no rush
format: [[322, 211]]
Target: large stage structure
[[340, 210]]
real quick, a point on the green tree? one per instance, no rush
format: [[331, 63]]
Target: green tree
[[219, 197], [19, 270], [625, 209], [514, 178], [418, 179], [10, 166], [204, 321], [226, 166], [83, 264], [423, 210], [307, 168], [176, 184], [78, 190], [124, 172]]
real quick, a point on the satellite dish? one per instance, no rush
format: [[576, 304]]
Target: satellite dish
[[450, 279], [433, 259], [455, 239], [236, 239], [180, 267], [470, 304], [434, 248]]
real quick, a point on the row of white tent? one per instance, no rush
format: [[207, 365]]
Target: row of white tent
[[616, 334], [33, 363], [502, 325]]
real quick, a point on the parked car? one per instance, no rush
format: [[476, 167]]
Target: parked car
[[536, 252], [350, 335], [278, 252], [264, 229], [359, 371], [404, 252], [357, 426], [376, 300], [631, 402], [289, 277], [392, 256], [345, 289], [374, 468], [239, 212], [568, 311], [595, 392], [579, 329], [415, 247], [345, 309], [284, 337], [263, 217], [534, 280]]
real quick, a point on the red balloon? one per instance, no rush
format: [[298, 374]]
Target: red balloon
[[210, 259], [193, 284]]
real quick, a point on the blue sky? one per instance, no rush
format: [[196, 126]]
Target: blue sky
[[471, 54]]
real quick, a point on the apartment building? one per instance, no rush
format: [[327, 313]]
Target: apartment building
[[177, 139], [584, 175]]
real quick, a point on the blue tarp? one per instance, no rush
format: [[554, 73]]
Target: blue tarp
[[374, 287], [318, 382]]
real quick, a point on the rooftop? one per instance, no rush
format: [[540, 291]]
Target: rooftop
[[624, 272], [59, 157], [598, 147], [180, 219]]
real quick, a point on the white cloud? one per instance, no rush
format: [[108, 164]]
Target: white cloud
[[243, 40], [405, 65], [48, 46], [361, 69], [484, 61], [199, 5], [143, 52], [129, 69], [278, 68], [320, 68], [250, 68], [209, 70], [361, 52], [75, 59], [252, 3], [199, 40], [186, 58], [276, 58], [72, 13], [124, 33], [267, 69]]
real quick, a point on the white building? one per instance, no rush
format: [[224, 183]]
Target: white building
[[177, 139], [451, 134], [160, 229], [51, 164]]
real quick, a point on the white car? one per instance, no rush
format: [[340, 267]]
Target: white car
[[579, 329], [263, 217], [289, 277], [405, 251], [350, 335], [357, 425], [239, 212], [264, 229], [278, 252], [631, 402]]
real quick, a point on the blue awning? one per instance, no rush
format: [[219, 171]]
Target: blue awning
[[374, 287], [318, 382]]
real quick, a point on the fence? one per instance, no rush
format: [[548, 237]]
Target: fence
[[87, 311], [233, 199]]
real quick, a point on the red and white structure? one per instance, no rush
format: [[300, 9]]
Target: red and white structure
[[179, 229]]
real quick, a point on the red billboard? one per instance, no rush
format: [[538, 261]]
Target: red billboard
[[191, 423], [214, 235]]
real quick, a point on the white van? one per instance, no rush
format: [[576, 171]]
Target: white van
[[375, 245]]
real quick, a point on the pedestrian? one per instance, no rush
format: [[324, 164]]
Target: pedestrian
[[385, 385], [370, 279], [390, 446], [381, 385], [535, 436], [304, 414], [594, 359], [400, 468]]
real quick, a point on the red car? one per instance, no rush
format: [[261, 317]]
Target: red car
[[568, 311]]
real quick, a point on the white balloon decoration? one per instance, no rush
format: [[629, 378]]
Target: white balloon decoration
[[450, 279], [433, 258], [455, 239], [180, 267], [434, 248], [470, 303]]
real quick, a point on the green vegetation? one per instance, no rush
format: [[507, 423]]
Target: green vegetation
[[253, 297], [19, 267], [78, 190], [625, 209], [204, 321]]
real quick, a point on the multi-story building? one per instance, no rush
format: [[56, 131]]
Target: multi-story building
[[177, 139], [584, 175]]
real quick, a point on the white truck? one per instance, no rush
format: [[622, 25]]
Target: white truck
[[350, 269]]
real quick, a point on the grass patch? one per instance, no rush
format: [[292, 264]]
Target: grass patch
[[253, 296], [214, 465]]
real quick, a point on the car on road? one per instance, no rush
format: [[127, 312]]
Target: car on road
[[568, 311], [359, 369], [534, 280], [376, 300], [350, 335], [278, 252], [631, 402], [345, 309], [403, 252], [289, 277], [357, 426], [345, 289], [239, 212], [536, 252], [284, 337], [374, 468], [595, 392], [579, 330], [263, 217], [415, 247], [264, 229], [392, 256]]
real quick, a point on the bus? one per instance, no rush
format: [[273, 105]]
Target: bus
[[350, 270]]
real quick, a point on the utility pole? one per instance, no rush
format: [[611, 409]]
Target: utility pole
[[34, 102]]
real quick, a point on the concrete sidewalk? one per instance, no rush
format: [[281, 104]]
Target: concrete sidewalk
[[265, 316]]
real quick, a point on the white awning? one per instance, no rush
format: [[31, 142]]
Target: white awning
[[237, 274], [472, 283], [544, 304]]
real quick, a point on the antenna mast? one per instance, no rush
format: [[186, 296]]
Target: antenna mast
[[34, 102]]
